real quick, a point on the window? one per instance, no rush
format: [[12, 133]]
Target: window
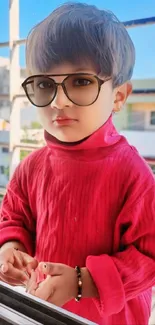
[[153, 168], [152, 118], [2, 170], [5, 150]]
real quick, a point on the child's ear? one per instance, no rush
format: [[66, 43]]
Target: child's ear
[[121, 94]]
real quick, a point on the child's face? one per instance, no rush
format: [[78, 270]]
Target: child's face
[[69, 122]]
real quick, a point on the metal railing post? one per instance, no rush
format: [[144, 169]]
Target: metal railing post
[[14, 85]]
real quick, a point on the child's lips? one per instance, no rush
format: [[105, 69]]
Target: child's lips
[[64, 121]]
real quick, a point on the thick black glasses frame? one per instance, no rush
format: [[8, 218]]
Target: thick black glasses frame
[[62, 84]]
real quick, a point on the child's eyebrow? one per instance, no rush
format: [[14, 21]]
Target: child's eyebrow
[[81, 68]]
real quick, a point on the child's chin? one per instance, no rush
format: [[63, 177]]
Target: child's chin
[[67, 138]]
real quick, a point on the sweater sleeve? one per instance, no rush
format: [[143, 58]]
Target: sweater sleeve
[[16, 220], [131, 270]]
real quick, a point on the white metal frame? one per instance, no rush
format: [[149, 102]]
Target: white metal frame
[[148, 125]]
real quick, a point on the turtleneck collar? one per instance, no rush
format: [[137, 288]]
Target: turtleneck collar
[[105, 137]]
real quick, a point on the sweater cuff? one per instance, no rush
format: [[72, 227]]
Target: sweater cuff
[[108, 282], [17, 234]]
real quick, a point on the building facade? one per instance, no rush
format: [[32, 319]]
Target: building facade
[[136, 121]]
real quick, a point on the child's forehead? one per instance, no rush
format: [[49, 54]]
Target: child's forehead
[[67, 68]]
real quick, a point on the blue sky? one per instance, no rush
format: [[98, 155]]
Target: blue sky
[[33, 11]]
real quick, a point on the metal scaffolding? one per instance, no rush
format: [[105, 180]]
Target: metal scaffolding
[[15, 95]]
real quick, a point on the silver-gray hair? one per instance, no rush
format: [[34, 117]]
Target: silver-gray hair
[[78, 33]]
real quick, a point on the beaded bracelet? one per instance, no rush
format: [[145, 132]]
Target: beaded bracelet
[[79, 295]]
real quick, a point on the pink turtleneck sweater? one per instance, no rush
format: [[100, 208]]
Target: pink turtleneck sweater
[[90, 204]]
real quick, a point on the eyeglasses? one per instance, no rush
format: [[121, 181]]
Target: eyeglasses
[[81, 89]]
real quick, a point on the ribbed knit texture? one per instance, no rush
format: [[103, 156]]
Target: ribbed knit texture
[[90, 204]]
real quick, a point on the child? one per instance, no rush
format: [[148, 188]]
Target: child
[[84, 205]]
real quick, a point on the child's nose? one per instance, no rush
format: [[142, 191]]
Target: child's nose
[[61, 100]]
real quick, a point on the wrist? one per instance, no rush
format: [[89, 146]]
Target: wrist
[[89, 289], [13, 244]]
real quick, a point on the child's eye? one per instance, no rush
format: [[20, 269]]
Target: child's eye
[[82, 82], [45, 85]]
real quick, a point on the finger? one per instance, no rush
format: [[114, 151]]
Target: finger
[[28, 259], [14, 259], [6, 257], [18, 259], [32, 265], [32, 284], [45, 289], [4, 267], [10, 280], [29, 262], [18, 262], [52, 268], [14, 273]]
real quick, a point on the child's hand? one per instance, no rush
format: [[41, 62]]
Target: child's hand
[[16, 266], [59, 287]]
